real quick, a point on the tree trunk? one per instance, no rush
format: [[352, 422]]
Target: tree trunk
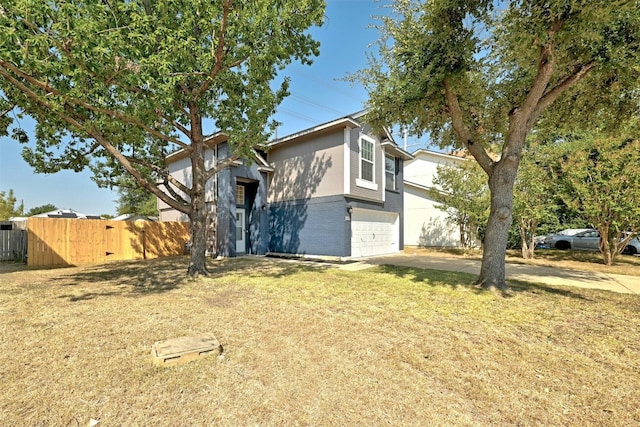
[[526, 253], [501, 181], [198, 214], [527, 236], [605, 248], [463, 236], [198, 220]]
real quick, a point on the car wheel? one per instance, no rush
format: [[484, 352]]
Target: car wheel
[[629, 250], [563, 245]]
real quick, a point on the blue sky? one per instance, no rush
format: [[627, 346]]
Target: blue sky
[[318, 95]]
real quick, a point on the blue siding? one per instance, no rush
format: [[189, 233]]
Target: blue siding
[[318, 226], [226, 225], [394, 200], [258, 218]]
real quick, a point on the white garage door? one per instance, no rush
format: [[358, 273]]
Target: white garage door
[[374, 233]]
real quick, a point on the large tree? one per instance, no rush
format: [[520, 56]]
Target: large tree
[[122, 83], [481, 74]]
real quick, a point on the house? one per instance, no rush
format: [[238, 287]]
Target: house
[[335, 189], [425, 224], [66, 214], [236, 199], [134, 217]]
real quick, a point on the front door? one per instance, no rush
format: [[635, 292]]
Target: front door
[[241, 244]]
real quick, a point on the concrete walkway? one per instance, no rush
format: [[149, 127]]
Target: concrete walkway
[[527, 273]]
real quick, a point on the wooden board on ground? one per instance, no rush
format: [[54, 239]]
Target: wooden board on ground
[[176, 351]]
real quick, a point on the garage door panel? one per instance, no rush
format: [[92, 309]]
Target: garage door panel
[[374, 232]]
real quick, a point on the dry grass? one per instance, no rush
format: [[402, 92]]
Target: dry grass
[[577, 260], [309, 344]]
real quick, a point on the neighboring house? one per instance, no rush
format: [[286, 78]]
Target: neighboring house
[[134, 217], [67, 214], [332, 190], [425, 224]]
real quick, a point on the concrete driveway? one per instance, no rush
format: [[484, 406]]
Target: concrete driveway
[[528, 273]]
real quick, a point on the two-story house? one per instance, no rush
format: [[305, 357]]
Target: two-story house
[[335, 189], [236, 199]]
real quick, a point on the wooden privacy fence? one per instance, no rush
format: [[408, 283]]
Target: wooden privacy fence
[[55, 241]]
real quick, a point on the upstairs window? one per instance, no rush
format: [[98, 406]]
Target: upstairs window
[[390, 172], [367, 159]]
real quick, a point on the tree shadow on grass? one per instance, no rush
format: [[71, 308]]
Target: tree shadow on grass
[[160, 275], [467, 280], [126, 278]]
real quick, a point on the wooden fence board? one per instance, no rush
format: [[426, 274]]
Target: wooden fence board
[[57, 241], [13, 245]]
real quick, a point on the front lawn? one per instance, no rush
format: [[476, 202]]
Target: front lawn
[[578, 260], [310, 344]]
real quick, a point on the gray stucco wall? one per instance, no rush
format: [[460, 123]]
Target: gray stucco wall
[[394, 200], [309, 167], [258, 219], [354, 150], [318, 226]]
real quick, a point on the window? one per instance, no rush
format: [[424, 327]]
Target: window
[[239, 195], [390, 172], [366, 160], [367, 177]]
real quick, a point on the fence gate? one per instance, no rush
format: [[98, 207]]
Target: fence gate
[[13, 245]]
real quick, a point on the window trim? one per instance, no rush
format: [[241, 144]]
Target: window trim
[[360, 181], [393, 173]]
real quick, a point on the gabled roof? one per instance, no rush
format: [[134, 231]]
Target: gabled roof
[[66, 213], [210, 141], [340, 123], [351, 121], [457, 156]]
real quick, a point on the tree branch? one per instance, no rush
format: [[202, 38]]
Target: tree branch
[[559, 89], [175, 195], [546, 66], [219, 51], [100, 139], [228, 161], [462, 131], [161, 172], [110, 113]]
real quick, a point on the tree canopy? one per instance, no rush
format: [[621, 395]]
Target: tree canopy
[[132, 199], [462, 193], [599, 178], [483, 75], [119, 84], [41, 209], [8, 207]]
